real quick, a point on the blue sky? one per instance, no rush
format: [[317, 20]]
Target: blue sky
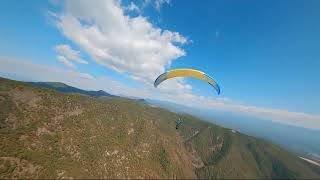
[[264, 54]]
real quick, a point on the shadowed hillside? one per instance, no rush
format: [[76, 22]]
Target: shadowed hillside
[[68, 89], [49, 134]]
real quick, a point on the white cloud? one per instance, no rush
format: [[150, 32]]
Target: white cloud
[[176, 85], [40, 72], [130, 45], [82, 75], [133, 7], [160, 3], [157, 4], [65, 61], [69, 54]]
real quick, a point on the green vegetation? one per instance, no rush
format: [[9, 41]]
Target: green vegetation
[[49, 134]]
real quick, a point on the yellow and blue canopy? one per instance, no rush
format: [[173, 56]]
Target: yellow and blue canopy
[[187, 73]]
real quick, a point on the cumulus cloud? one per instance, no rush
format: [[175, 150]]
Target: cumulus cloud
[[69, 54], [45, 73], [41, 72], [159, 3], [133, 7], [130, 45], [83, 76], [65, 61]]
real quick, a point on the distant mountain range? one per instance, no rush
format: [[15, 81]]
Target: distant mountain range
[[69, 89]]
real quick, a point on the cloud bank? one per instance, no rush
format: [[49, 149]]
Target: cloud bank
[[117, 41]]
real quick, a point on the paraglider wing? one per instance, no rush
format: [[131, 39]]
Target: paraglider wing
[[187, 73]]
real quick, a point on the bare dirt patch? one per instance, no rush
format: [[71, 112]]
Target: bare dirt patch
[[75, 112], [26, 96], [42, 131], [131, 130]]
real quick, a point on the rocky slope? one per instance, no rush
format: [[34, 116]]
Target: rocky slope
[[49, 134]]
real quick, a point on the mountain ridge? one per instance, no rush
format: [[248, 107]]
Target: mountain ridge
[[62, 87], [50, 134]]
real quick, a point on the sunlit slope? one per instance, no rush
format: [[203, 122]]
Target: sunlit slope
[[48, 134]]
